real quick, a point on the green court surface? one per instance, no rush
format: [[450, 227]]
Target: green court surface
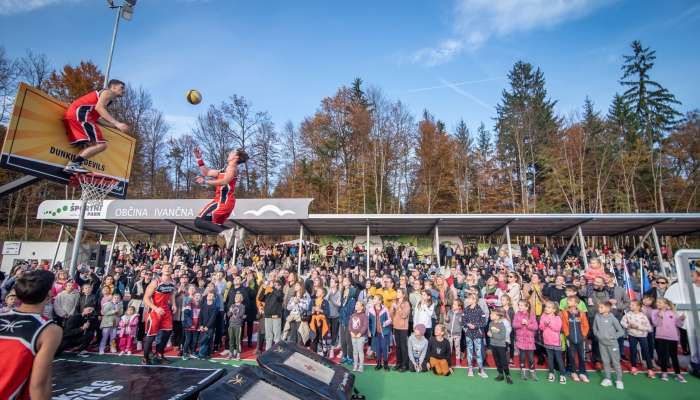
[[407, 386]]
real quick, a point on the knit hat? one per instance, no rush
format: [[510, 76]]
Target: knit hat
[[420, 328]]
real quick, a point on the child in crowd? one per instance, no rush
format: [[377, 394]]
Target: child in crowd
[[190, 321], [508, 314], [638, 327], [454, 328], [499, 334], [648, 306], [128, 325], [607, 330], [319, 322], [379, 323], [358, 334], [550, 325], [425, 312], [575, 326], [439, 354], [111, 312], [667, 322], [525, 327], [571, 293], [418, 349], [474, 319], [11, 302], [236, 314]]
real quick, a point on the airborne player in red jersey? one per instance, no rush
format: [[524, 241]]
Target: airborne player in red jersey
[[160, 301], [81, 119], [217, 211]]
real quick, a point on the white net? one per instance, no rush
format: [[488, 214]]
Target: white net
[[95, 188]]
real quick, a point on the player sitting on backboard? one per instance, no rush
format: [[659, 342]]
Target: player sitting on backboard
[[81, 123], [217, 211]]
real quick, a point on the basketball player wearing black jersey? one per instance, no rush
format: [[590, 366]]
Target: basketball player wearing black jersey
[[28, 341]]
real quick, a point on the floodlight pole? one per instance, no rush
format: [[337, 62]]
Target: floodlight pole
[[114, 40], [78, 236]]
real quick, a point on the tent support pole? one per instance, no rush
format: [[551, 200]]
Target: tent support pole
[[510, 249], [58, 244], [658, 251], [583, 247], [172, 245], [111, 249], [301, 247], [368, 252]]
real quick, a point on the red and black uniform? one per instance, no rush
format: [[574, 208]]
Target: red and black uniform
[[161, 298], [18, 336], [81, 118], [219, 209]]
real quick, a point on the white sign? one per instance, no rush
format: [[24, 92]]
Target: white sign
[[11, 248], [70, 209]]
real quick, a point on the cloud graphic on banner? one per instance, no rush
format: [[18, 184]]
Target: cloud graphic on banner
[[269, 208]]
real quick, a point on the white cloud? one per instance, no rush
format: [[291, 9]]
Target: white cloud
[[11, 7], [444, 52], [477, 21]]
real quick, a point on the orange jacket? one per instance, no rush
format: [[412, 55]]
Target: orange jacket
[[565, 323]]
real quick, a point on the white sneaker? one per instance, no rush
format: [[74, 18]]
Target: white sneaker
[[228, 237], [121, 353], [75, 168], [102, 352], [470, 372], [482, 373], [606, 382], [620, 385], [225, 353]]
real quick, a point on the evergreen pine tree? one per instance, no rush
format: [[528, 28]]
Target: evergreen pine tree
[[652, 103]]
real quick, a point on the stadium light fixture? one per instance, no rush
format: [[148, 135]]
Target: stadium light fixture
[[128, 9], [125, 11]]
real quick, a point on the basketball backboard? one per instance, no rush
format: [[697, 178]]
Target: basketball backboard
[[36, 143]]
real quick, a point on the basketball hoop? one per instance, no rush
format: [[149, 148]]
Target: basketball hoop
[[94, 187]]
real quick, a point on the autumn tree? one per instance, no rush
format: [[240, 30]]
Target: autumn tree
[[434, 190], [74, 81]]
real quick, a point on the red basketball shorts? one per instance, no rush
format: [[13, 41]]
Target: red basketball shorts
[[216, 212], [80, 132], [155, 322]]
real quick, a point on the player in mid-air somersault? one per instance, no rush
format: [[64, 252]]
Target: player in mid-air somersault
[[81, 119], [217, 211]]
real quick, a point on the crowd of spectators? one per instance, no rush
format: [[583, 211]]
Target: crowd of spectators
[[466, 308]]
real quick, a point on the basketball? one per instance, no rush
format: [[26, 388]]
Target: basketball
[[193, 96]]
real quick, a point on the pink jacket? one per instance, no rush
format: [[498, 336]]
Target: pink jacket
[[550, 325], [667, 324], [128, 325], [524, 334]]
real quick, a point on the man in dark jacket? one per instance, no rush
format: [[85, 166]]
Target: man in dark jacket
[[271, 294], [207, 324], [77, 332]]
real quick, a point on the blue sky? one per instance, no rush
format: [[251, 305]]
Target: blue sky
[[449, 56]]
